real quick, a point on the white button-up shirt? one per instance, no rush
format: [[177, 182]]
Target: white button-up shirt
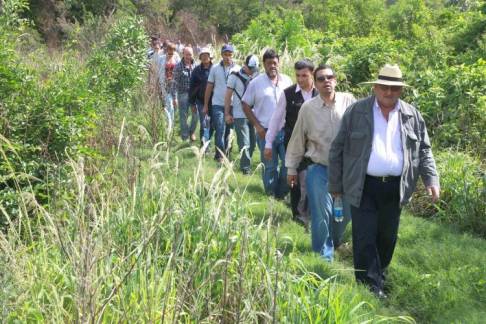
[[386, 157], [263, 96]]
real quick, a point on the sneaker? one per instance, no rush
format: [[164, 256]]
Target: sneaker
[[193, 137]]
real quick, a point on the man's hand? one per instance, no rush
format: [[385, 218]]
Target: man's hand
[[261, 131], [194, 109], [292, 180], [205, 110], [434, 192], [340, 195], [267, 154], [175, 103], [228, 119]]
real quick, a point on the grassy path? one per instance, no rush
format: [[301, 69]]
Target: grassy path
[[438, 275]]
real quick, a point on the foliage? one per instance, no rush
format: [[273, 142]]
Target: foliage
[[283, 30], [50, 108], [166, 250], [463, 180]]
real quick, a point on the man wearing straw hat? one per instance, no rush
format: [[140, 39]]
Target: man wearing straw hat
[[376, 157]]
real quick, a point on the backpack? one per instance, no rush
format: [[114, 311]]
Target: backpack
[[244, 81]]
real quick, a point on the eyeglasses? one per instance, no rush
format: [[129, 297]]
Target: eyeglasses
[[323, 78], [392, 88]]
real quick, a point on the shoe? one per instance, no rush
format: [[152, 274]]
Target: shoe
[[381, 295], [220, 160], [341, 246], [246, 173], [192, 137]]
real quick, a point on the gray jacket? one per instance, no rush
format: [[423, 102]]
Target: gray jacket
[[351, 148]]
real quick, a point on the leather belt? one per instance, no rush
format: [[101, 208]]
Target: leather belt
[[385, 178]]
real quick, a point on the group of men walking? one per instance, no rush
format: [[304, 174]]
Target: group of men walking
[[316, 143]]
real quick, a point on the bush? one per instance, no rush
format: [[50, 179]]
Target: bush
[[51, 108], [463, 193], [463, 198]]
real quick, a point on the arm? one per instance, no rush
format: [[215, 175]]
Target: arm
[[297, 145], [251, 116], [192, 86], [227, 104], [276, 124], [336, 160], [207, 95], [173, 85], [427, 168]]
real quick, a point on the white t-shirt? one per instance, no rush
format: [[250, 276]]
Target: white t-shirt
[[219, 76], [263, 96]]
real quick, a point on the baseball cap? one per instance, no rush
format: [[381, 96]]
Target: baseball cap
[[252, 63], [227, 47]]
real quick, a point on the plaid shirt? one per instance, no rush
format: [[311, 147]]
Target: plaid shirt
[[181, 77]]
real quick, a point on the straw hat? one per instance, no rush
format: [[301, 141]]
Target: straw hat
[[390, 75]]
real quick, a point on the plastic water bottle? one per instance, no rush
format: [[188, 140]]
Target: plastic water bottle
[[338, 209]]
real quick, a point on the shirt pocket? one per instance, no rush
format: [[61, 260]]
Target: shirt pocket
[[413, 145], [356, 144]]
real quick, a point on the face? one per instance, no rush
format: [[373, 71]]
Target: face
[[227, 57], [304, 78], [205, 58], [187, 54], [156, 46], [387, 96], [271, 66], [325, 81]]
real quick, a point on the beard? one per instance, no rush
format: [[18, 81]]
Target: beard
[[272, 73]]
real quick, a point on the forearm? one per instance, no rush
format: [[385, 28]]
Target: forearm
[[207, 94], [251, 116], [227, 101]]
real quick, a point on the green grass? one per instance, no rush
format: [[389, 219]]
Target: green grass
[[438, 274], [166, 237]]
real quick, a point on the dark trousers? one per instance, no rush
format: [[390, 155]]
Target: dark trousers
[[375, 230], [298, 196]]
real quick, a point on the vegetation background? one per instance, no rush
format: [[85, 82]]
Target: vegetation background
[[106, 216]]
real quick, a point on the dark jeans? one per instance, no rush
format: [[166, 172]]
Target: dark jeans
[[375, 230], [299, 202]]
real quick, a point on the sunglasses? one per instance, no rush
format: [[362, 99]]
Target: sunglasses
[[392, 88], [323, 78]]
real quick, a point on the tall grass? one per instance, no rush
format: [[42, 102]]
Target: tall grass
[[161, 250]]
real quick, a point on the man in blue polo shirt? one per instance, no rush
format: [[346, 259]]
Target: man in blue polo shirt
[[217, 80]]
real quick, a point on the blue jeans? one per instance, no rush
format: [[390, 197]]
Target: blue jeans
[[274, 182], [170, 108], [184, 109], [246, 138], [325, 231], [222, 130], [206, 129]]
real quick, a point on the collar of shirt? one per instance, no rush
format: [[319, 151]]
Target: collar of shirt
[[376, 106], [298, 88], [230, 67], [305, 95], [323, 104]]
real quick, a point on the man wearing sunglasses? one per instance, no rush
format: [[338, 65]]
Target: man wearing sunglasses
[[375, 159], [311, 139]]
